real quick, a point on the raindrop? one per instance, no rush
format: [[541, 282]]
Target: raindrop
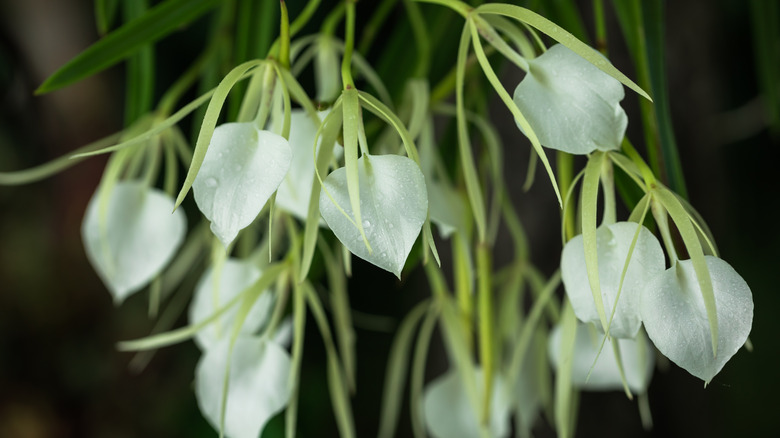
[[366, 224], [211, 182]]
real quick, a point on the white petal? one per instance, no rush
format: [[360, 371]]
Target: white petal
[[449, 414], [139, 237], [242, 169], [393, 207], [612, 243], [234, 277], [676, 320], [571, 105], [637, 357], [447, 209], [257, 389], [295, 190]]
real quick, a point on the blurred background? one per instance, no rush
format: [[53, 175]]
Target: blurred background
[[61, 375]]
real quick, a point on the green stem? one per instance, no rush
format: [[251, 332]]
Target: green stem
[[349, 46], [458, 6], [332, 20], [565, 168], [421, 38], [486, 350], [601, 27], [284, 37]]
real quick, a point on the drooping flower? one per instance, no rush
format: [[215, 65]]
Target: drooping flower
[[242, 168], [257, 384], [131, 238], [613, 243], [295, 190], [393, 207], [637, 357], [217, 288], [448, 412], [571, 105], [675, 318]]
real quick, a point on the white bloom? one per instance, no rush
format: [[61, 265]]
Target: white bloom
[[135, 239], [675, 318], [242, 168], [612, 243], [571, 105]]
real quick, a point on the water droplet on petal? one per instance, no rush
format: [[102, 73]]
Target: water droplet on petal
[[366, 224], [211, 182]]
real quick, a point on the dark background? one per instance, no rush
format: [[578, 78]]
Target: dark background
[[60, 375]]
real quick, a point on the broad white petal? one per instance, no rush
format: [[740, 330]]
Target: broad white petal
[[613, 243], [637, 356], [295, 190], [393, 207], [214, 291], [258, 385], [449, 414], [676, 320], [242, 169], [571, 105], [139, 237]]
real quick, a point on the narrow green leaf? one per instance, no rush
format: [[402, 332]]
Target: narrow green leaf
[[114, 47], [342, 314], [395, 376], [270, 274], [590, 196], [299, 327], [418, 370], [470, 177], [383, 112], [563, 386], [511, 105], [653, 22], [56, 165], [157, 128], [567, 39], [105, 13], [210, 122], [351, 123], [338, 388], [328, 131], [692, 243]]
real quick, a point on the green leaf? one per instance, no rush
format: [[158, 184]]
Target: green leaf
[[395, 376], [270, 274], [116, 46], [328, 132], [351, 123], [470, 177], [210, 122], [564, 391], [418, 369], [555, 32], [105, 13], [56, 165], [338, 388], [590, 195], [511, 105]]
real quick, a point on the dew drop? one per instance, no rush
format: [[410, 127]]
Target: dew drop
[[366, 224], [211, 182]]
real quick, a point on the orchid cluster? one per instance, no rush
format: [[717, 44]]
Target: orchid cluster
[[352, 171]]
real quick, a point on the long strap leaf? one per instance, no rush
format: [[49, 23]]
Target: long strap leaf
[[116, 46]]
